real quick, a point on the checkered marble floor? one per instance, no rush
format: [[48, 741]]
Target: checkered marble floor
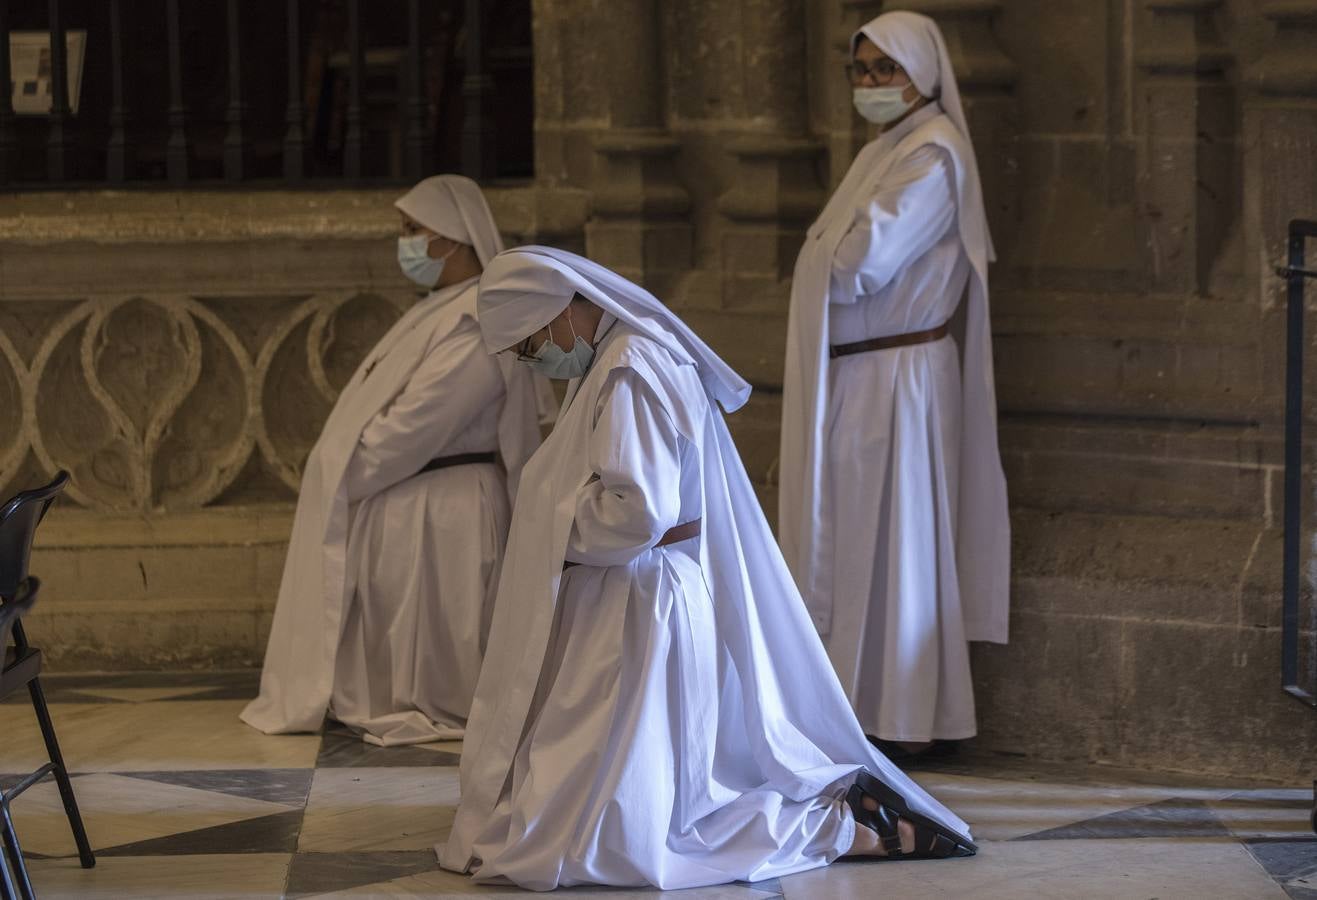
[[183, 800]]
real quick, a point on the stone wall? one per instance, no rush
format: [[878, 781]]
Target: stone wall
[[1140, 159]]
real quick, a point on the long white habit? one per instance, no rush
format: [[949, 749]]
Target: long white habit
[[387, 589], [652, 715], [893, 512]]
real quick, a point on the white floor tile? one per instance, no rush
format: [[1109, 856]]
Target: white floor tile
[[1053, 870], [240, 875], [407, 808]]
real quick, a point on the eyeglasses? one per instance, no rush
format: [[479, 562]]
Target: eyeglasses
[[524, 350], [882, 71]]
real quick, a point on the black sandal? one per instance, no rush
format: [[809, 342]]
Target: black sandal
[[932, 840]]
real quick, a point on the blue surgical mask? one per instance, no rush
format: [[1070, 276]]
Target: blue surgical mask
[[552, 361], [881, 105], [414, 259]]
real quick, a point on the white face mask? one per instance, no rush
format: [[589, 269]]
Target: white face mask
[[882, 105], [415, 262]]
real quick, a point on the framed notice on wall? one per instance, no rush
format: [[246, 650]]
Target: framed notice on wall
[[29, 70]]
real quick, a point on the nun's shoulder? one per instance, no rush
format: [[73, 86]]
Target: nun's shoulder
[[632, 349], [942, 132], [629, 344]]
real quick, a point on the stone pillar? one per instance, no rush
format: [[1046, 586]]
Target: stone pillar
[[639, 224], [1185, 113], [1280, 139], [775, 190]]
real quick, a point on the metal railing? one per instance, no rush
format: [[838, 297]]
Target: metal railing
[[1295, 273], [105, 144]]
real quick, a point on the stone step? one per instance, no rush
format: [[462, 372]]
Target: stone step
[[176, 590]]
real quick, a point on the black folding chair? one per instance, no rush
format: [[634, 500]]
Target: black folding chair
[[19, 518], [11, 877], [7, 889]]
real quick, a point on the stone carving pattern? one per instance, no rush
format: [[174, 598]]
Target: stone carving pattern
[[158, 403]]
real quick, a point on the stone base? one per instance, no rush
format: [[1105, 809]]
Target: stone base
[[182, 591]]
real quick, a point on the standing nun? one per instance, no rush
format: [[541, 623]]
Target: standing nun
[[893, 511], [654, 707], [387, 590]]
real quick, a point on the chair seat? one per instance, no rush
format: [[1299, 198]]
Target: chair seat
[[19, 669]]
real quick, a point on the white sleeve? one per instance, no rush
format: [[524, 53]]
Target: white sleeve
[[452, 385], [634, 495], [911, 211]]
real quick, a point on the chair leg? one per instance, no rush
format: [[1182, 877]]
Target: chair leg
[[21, 881], [61, 774], [7, 889]]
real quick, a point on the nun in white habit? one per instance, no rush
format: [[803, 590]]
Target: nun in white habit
[[387, 589], [654, 707], [893, 513]]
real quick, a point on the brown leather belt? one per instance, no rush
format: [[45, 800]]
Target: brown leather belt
[[889, 343], [458, 459], [674, 535]]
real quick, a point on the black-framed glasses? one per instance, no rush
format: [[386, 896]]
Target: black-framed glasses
[[524, 350], [883, 71]]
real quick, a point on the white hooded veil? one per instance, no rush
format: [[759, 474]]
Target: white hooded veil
[[787, 689], [983, 524], [515, 302], [297, 678]]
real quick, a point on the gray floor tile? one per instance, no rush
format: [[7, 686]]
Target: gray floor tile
[[289, 786], [1175, 818], [318, 873]]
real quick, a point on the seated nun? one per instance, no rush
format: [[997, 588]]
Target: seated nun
[[387, 590], [655, 707]]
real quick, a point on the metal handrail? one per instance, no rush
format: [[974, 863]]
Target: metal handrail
[[1294, 273]]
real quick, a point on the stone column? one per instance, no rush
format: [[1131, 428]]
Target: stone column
[[1280, 140], [639, 224], [775, 190], [1185, 114]]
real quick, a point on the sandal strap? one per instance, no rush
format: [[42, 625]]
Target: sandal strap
[[936, 845], [882, 821]]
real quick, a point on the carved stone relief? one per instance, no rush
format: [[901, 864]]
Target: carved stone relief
[[169, 402]]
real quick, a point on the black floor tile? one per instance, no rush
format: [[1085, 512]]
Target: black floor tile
[[1174, 818], [343, 750], [265, 834], [1291, 861]]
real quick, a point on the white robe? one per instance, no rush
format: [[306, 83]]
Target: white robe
[[670, 720], [881, 569], [386, 595]]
